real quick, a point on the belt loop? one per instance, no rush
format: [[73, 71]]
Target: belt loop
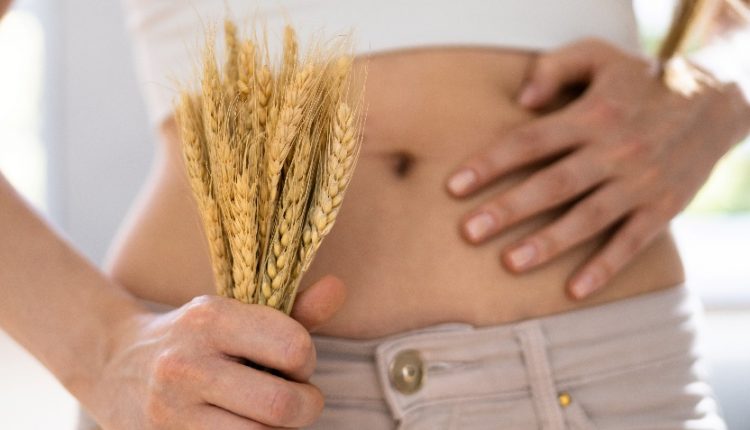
[[538, 371]]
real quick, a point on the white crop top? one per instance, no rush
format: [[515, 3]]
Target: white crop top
[[169, 34]]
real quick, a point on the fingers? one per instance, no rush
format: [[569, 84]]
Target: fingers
[[257, 333], [586, 219], [637, 233], [552, 71], [260, 396], [543, 138], [546, 189], [318, 303], [209, 417]]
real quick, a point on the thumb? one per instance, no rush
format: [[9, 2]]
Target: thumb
[[318, 303], [552, 71]]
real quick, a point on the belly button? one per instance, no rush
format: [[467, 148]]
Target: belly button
[[403, 163]]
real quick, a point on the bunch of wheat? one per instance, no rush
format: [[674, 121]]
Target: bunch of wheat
[[269, 151]]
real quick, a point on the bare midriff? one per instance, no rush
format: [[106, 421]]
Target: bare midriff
[[397, 244]]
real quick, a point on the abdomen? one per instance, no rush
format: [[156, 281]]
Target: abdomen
[[396, 243]]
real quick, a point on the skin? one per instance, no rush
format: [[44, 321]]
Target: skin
[[135, 369], [627, 166]]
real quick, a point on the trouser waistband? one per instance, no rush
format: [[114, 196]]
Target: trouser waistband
[[539, 357]]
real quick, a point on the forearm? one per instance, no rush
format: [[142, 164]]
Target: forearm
[[52, 300]]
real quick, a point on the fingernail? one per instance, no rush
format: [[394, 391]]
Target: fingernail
[[584, 285], [528, 95], [461, 181], [479, 225], [523, 256]]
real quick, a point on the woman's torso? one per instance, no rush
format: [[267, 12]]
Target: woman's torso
[[396, 243]]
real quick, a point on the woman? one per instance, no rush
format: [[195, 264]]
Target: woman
[[443, 84], [518, 352]]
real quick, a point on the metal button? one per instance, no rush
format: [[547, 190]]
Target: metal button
[[407, 371], [564, 399]]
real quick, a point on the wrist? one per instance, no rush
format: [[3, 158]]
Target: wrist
[[107, 330]]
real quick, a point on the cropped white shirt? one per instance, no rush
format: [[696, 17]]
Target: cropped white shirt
[[169, 34]]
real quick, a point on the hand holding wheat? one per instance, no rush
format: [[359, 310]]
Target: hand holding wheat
[[269, 151]]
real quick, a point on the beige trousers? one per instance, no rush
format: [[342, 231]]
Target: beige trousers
[[626, 365]]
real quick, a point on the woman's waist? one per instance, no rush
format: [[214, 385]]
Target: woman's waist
[[396, 245]]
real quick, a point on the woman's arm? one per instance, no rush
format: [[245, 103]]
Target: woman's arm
[[52, 300], [631, 152], [135, 370]]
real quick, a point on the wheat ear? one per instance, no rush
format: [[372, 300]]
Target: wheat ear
[[284, 244], [189, 116], [336, 173], [337, 161], [280, 141], [221, 160], [244, 238]]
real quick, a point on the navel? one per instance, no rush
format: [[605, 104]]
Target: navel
[[403, 163]]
